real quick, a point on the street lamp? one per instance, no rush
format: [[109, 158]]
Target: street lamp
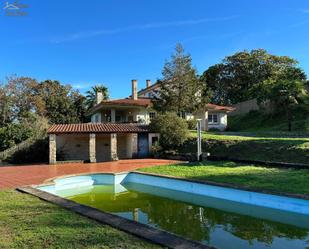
[[199, 139]]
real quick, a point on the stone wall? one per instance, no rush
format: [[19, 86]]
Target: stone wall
[[73, 147], [122, 140], [102, 147], [252, 105]]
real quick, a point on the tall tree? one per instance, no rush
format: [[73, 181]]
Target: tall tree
[[59, 102], [283, 90], [6, 104], [80, 106], [232, 81], [91, 95], [18, 99], [180, 88]]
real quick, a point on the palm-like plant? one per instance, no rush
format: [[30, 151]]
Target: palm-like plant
[[91, 95]]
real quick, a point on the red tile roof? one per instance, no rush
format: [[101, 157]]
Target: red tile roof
[[98, 128], [213, 107], [150, 88], [147, 102]]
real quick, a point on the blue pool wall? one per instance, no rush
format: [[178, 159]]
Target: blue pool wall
[[242, 196], [84, 182]]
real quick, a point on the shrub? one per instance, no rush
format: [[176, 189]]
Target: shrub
[[192, 124], [36, 153], [213, 129], [173, 130], [13, 134]]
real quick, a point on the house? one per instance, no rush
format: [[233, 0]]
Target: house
[[137, 108], [119, 128]]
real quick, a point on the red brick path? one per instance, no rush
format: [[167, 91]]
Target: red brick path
[[16, 176]]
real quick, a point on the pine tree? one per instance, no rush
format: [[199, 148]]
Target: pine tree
[[180, 89]]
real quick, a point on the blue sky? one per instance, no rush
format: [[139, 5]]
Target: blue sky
[[113, 41]]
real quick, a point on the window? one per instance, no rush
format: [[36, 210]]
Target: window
[[212, 118], [183, 114], [96, 118], [152, 115]]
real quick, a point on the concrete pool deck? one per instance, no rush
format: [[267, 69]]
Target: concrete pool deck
[[20, 175]]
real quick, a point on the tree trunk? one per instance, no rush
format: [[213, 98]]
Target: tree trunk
[[289, 116]]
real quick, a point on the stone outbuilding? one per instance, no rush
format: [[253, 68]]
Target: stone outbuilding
[[98, 142]]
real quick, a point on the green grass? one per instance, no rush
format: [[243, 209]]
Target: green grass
[[258, 121], [252, 146], [250, 176], [246, 136], [27, 222]]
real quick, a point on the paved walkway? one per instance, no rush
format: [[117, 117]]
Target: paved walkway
[[17, 176]]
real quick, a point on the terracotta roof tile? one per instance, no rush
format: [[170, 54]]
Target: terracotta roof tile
[[220, 108], [98, 128]]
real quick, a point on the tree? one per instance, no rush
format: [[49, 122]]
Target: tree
[[80, 106], [18, 99], [173, 130], [233, 80], [5, 107], [283, 90], [59, 103], [91, 95], [180, 89]]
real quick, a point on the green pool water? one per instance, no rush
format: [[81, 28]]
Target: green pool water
[[215, 222]]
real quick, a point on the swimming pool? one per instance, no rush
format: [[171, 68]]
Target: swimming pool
[[217, 216]]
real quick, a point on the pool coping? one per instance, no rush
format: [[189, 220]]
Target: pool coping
[[140, 230], [208, 182]]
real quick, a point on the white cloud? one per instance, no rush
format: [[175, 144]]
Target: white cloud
[[154, 25], [295, 25], [82, 86]]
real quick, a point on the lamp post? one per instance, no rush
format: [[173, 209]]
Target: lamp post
[[199, 139]]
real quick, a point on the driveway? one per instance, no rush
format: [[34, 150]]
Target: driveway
[[17, 176]]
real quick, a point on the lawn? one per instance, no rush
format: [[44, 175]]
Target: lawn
[[27, 222], [259, 121], [276, 147], [249, 136], [249, 176]]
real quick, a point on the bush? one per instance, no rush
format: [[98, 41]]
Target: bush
[[36, 153], [13, 134], [173, 130], [192, 124], [212, 129]]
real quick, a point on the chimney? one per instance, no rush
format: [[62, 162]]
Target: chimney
[[148, 83], [134, 89], [99, 97]]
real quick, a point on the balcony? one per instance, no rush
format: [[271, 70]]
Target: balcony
[[132, 115]]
